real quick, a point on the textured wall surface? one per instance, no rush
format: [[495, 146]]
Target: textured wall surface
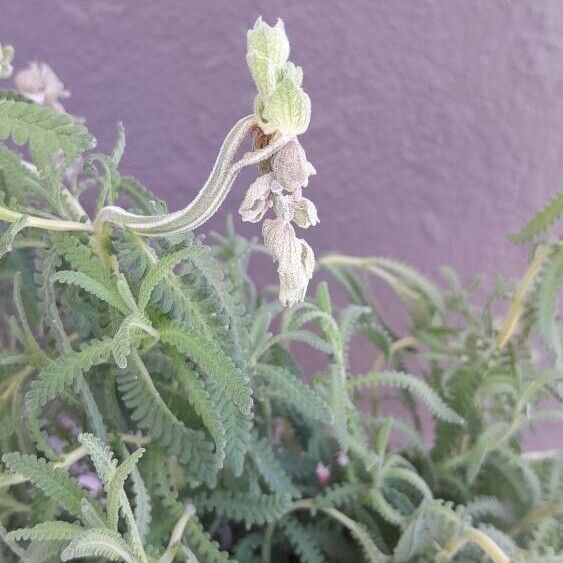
[[437, 125]]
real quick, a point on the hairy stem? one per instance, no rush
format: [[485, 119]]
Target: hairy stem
[[517, 306], [46, 224], [535, 517], [209, 198]]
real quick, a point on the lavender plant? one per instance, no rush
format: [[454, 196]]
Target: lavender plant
[[151, 412]]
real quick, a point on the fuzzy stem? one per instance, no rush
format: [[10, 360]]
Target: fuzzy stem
[[92, 411], [473, 535], [519, 301], [178, 531], [267, 543], [40, 223], [536, 516], [209, 198], [487, 545]]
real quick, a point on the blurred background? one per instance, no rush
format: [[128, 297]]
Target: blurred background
[[437, 126]]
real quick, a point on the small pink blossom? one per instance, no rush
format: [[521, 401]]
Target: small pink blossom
[[280, 428], [323, 474], [342, 458]]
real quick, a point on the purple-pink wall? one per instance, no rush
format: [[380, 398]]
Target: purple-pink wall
[[437, 125]]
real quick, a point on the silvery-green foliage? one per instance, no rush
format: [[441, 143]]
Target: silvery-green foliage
[[152, 403]]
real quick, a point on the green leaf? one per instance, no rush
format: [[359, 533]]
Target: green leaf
[[542, 221], [45, 130], [267, 51], [131, 325], [149, 411], [48, 531], [19, 181], [54, 482], [201, 401], [9, 235], [243, 507], [546, 299], [110, 295], [101, 455], [82, 258], [142, 501], [64, 371], [207, 548], [115, 488], [414, 385], [158, 272], [98, 542], [271, 470], [302, 541], [280, 383], [226, 383]]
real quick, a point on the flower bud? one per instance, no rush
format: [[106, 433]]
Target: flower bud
[[323, 474], [305, 213], [6, 57], [257, 200], [291, 167], [267, 52], [296, 260], [39, 83]]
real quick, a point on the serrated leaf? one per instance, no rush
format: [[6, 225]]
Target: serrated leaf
[[46, 130], [115, 490], [280, 383], [54, 482], [98, 542], [48, 531], [64, 370], [110, 295], [415, 385], [541, 221], [8, 236]]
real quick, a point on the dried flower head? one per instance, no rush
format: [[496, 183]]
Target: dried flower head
[[257, 199], [294, 256], [281, 190], [291, 167], [6, 57], [39, 83]]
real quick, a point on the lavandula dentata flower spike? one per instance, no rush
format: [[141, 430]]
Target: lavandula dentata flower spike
[[282, 111], [281, 107]]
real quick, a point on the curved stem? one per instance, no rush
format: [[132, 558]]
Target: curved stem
[[209, 198], [518, 304], [536, 516], [40, 223], [267, 543], [476, 536], [487, 545]]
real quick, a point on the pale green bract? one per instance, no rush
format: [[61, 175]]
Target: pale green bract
[[6, 56], [281, 104]]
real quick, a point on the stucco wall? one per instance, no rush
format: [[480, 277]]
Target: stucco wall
[[437, 125]]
